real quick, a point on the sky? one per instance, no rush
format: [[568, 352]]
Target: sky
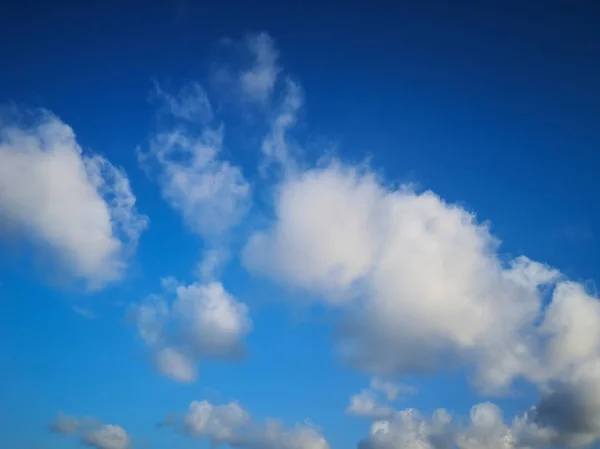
[[299, 225]]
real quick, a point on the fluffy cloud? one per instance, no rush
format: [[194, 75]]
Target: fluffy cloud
[[414, 272], [423, 274], [92, 433], [408, 429], [202, 320], [76, 205], [422, 285], [231, 424]]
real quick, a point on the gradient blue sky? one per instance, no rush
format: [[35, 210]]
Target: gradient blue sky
[[493, 107]]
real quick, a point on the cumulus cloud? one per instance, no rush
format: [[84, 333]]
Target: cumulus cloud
[[92, 433], [422, 285], [408, 429], [423, 274], [569, 412], [199, 320], [232, 425], [74, 204], [421, 282]]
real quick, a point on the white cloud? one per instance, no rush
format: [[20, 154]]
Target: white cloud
[[231, 424], [365, 404], [218, 423], [408, 429], [76, 205], [172, 363], [211, 194], [487, 430], [202, 320], [107, 437], [92, 433], [277, 147], [258, 81], [422, 273]]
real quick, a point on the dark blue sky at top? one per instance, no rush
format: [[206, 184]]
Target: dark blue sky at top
[[495, 104]]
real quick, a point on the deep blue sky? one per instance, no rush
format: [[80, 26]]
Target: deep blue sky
[[494, 105]]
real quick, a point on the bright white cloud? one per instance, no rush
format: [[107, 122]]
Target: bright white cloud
[[231, 424], [202, 320], [76, 205], [423, 273]]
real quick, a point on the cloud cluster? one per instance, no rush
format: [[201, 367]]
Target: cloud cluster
[[92, 433], [422, 285], [197, 321], [232, 425], [419, 273], [73, 204]]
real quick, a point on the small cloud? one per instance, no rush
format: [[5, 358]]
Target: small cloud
[[86, 313], [65, 424]]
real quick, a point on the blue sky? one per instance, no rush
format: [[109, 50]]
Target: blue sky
[[299, 225]]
